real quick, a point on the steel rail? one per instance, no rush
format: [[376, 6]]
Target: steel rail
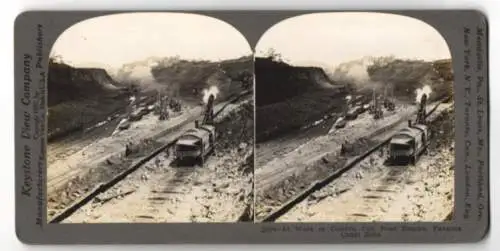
[[317, 185], [102, 187]]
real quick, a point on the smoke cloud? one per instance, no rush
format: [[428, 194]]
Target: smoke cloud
[[212, 90], [354, 72], [421, 91], [357, 72], [139, 74]]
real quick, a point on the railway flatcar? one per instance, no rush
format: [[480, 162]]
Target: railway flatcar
[[409, 143], [354, 112], [195, 144]]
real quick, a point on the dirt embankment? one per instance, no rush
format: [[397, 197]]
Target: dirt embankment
[[288, 97], [79, 97], [235, 146], [278, 81]]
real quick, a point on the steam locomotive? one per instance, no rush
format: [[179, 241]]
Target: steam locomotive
[[410, 142], [197, 143]]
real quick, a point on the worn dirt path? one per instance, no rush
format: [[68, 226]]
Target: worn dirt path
[[399, 193], [307, 163], [160, 192], [60, 171], [376, 191], [295, 161]]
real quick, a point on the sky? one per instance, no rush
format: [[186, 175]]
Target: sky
[[328, 39], [113, 40]]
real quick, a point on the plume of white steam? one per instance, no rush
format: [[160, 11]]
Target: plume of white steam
[[358, 72], [421, 91], [212, 90], [142, 72], [348, 97], [354, 72], [132, 99], [139, 73]]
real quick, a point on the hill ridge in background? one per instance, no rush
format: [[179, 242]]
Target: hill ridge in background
[[79, 97], [292, 97]]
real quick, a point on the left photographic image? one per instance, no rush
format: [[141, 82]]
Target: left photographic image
[[150, 119]]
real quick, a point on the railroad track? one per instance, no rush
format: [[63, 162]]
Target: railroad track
[[287, 206], [116, 179]]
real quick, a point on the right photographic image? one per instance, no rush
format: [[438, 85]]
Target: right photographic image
[[354, 120]]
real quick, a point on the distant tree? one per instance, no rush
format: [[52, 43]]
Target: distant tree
[[56, 59], [378, 63], [273, 55]]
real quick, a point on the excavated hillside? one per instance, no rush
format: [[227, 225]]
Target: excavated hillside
[[66, 83], [289, 97], [78, 97], [278, 81], [187, 79], [408, 75]]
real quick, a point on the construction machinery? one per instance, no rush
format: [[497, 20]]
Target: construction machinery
[[162, 108], [208, 117], [340, 123], [421, 111], [409, 143], [138, 114], [197, 143], [246, 79], [388, 100], [376, 109]]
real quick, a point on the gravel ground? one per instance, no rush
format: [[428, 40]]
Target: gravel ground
[[376, 191], [161, 191], [288, 174], [217, 192]]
